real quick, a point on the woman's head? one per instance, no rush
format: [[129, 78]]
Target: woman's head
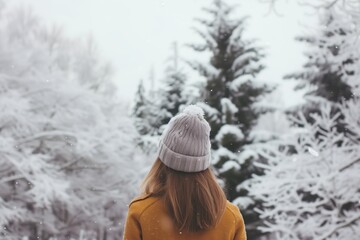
[[181, 173], [185, 143]]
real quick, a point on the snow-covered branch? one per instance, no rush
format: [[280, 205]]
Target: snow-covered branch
[[345, 224], [47, 134]]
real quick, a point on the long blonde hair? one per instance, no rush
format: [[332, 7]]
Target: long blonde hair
[[195, 201]]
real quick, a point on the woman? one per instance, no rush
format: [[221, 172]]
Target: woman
[[181, 198]]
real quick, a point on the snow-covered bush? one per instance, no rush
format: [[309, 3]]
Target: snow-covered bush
[[66, 145], [311, 185]]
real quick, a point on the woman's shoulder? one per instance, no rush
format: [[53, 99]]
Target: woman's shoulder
[[234, 211], [234, 215], [141, 203]]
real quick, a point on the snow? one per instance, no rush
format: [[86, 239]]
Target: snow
[[228, 110], [222, 153], [205, 69], [242, 59], [212, 113], [228, 165], [228, 105], [243, 202], [229, 130], [313, 151], [237, 82], [246, 154]]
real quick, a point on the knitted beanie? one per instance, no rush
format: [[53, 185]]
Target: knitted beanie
[[185, 143]]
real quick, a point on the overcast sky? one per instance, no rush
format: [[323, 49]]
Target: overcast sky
[[136, 35]]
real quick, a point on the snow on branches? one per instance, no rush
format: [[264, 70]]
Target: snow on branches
[[66, 145], [310, 188]]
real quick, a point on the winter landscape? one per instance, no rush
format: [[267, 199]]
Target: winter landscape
[[77, 134]]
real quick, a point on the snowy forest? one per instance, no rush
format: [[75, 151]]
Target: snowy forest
[[72, 155]]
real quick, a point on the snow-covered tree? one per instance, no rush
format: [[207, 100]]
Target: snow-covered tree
[[67, 159], [332, 68], [146, 117], [331, 72], [310, 188], [140, 110], [154, 108], [229, 95], [332, 60], [173, 87]]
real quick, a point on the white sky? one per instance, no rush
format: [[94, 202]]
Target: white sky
[[136, 35]]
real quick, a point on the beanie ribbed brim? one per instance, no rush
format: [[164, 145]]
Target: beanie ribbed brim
[[182, 162]]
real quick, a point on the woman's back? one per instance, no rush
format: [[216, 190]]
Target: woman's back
[[148, 220], [183, 198]]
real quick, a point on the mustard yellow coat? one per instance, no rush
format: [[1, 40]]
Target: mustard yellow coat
[[147, 219]]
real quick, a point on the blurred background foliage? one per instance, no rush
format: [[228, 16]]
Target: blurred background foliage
[[72, 153]]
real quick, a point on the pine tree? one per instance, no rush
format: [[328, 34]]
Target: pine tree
[[145, 114], [153, 109], [229, 96], [173, 87], [140, 110], [330, 71]]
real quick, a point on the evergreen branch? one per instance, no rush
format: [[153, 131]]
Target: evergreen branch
[[198, 47], [210, 41], [202, 69], [204, 22], [210, 11], [219, 6]]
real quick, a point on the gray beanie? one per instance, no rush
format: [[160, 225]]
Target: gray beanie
[[185, 143]]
